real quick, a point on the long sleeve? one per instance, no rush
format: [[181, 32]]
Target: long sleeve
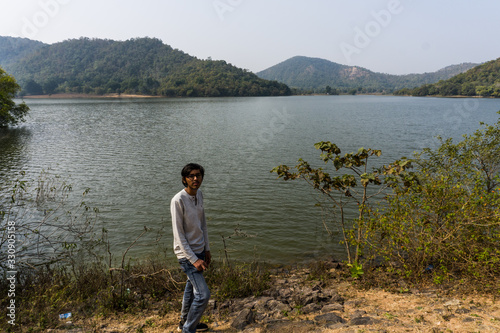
[[189, 225], [181, 244], [205, 231]]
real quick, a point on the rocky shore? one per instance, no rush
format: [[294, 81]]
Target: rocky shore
[[296, 304]]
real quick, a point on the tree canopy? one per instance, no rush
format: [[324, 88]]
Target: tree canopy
[[482, 81], [144, 66], [10, 112]]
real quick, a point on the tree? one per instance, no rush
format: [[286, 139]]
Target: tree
[[33, 88], [448, 220], [468, 89], [348, 189], [10, 113]]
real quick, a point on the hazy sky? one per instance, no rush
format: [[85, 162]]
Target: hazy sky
[[389, 36]]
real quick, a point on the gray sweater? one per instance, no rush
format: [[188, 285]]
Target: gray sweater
[[189, 225]]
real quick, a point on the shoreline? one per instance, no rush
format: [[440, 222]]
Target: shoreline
[[297, 303], [82, 96], [130, 96]]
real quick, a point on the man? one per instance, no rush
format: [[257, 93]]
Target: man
[[191, 247]]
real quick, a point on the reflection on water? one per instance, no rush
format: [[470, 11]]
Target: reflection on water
[[130, 153], [12, 149]]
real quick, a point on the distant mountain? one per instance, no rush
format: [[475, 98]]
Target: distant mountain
[[13, 49], [136, 66], [316, 74], [482, 80]]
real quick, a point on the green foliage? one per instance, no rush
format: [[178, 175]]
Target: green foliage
[[10, 112], [13, 49], [319, 270], [450, 219], [87, 289], [236, 281], [348, 188], [143, 66], [442, 220], [483, 80], [356, 270]]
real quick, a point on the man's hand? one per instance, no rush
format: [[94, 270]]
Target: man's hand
[[200, 265]]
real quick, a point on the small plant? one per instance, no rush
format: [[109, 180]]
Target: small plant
[[356, 270], [299, 309], [403, 290], [231, 281], [318, 270], [389, 315]]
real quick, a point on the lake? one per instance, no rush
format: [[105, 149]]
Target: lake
[[129, 152]]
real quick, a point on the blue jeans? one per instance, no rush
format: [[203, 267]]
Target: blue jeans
[[196, 295]]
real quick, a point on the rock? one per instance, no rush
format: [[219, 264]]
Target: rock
[[337, 326], [280, 326], [468, 319], [329, 318], [268, 307], [357, 314], [285, 293], [309, 308], [244, 318], [352, 304], [252, 330], [462, 311], [235, 305], [317, 285], [334, 297], [362, 321], [274, 305], [332, 307], [261, 304], [309, 299], [275, 309]]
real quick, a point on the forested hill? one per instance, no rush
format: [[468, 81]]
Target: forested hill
[[483, 80], [316, 74], [136, 66], [13, 49]]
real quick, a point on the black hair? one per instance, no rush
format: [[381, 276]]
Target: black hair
[[187, 170]]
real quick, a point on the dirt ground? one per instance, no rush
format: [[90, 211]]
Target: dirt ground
[[411, 311]]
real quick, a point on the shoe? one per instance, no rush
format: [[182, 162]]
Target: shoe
[[199, 328]]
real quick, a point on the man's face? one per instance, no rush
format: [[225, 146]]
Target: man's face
[[194, 179]]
